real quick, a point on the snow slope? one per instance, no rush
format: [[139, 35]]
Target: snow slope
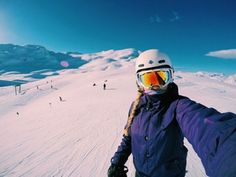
[[77, 137]]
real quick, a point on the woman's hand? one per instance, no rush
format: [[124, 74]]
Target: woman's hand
[[117, 171]]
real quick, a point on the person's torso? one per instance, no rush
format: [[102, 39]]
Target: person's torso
[[157, 141]]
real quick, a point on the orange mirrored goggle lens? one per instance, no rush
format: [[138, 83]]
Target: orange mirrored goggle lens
[[155, 78]]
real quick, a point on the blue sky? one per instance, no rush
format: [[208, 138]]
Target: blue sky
[[186, 30]]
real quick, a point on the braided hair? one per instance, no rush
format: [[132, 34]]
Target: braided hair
[[133, 112]]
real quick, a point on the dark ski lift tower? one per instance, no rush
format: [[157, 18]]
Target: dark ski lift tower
[[17, 88]]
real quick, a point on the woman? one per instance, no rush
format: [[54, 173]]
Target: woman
[[160, 118]]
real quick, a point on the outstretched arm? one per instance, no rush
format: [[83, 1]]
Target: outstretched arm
[[212, 135], [123, 152]]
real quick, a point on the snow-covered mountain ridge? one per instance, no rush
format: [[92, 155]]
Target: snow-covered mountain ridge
[[29, 58], [21, 64], [109, 54]]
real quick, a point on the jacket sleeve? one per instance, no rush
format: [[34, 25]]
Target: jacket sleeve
[[212, 135], [123, 152]]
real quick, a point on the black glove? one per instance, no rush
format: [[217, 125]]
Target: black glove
[[117, 171]]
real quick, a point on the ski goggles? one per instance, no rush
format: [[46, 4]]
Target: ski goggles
[[155, 78]]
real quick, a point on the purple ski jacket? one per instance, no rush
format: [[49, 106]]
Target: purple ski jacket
[[156, 137]]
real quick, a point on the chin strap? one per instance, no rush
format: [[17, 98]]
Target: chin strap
[[133, 111]]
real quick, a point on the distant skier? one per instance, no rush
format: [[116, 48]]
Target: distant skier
[[94, 84], [60, 98], [17, 113], [104, 86], [160, 118]]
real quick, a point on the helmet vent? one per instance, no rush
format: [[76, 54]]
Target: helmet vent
[[162, 61], [150, 62], [141, 65]]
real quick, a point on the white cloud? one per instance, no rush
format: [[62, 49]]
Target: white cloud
[[226, 54], [176, 16], [155, 19], [159, 19]]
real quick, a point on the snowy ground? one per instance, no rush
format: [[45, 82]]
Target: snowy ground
[[78, 136]]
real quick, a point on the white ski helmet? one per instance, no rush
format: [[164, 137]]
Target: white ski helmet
[[152, 60]]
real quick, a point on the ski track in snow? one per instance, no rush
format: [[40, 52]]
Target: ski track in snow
[[78, 137]]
